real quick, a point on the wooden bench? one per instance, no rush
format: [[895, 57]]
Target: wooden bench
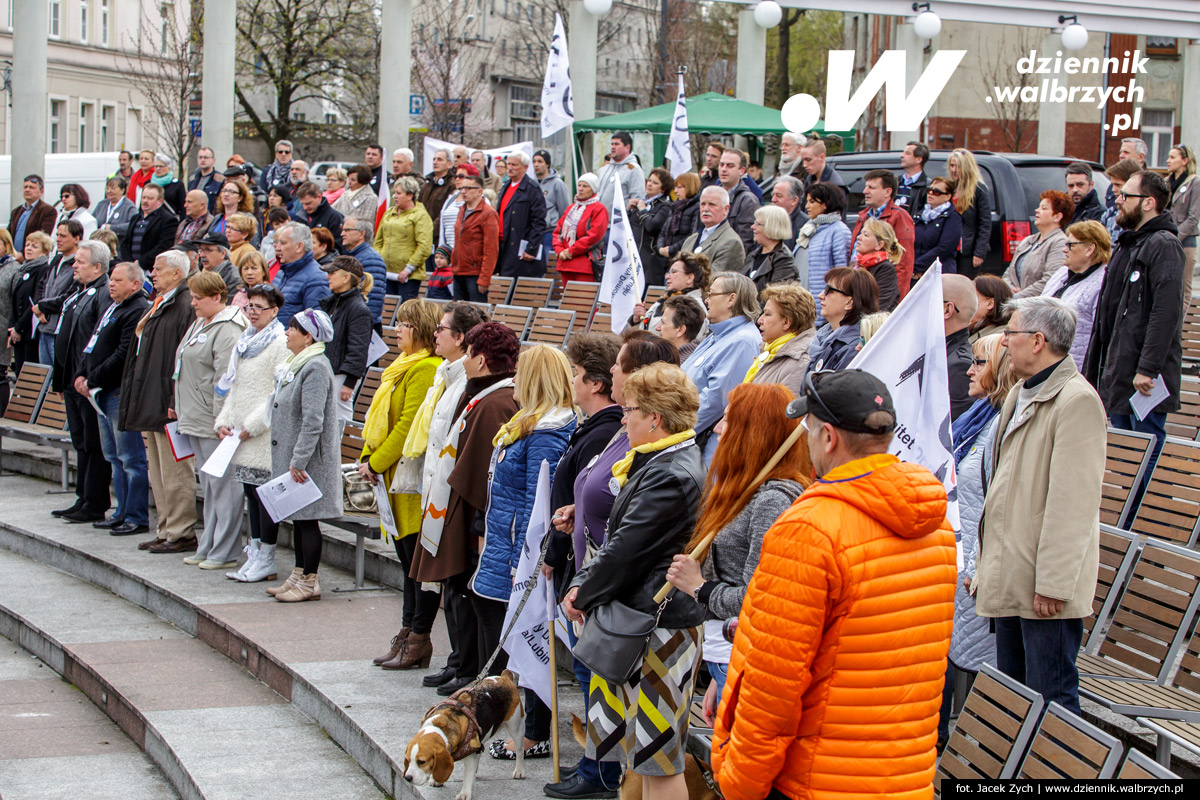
[[1066, 746], [486, 308], [1172, 731], [1191, 337], [515, 317], [601, 322], [365, 394], [532, 292], [499, 290], [654, 294], [391, 302], [1127, 458], [391, 337], [1170, 508], [38, 414], [1185, 423], [1140, 767], [993, 730], [580, 297], [551, 327], [1119, 551]]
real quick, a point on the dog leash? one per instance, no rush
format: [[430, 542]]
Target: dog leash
[[516, 616]]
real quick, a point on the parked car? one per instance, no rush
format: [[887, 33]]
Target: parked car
[[1015, 181], [316, 172]]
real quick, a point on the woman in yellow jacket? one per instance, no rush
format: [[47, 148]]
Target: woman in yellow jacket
[[405, 239], [395, 435]]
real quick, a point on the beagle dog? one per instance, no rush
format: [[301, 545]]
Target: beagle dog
[[455, 730]]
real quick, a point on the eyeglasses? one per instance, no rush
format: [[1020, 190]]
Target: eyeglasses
[[1007, 332], [281, 152], [1122, 195], [626, 409], [440, 328], [979, 362], [253, 309], [405, 325], [1071, 244]]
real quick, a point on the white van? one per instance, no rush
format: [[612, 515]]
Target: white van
[[89, 170]]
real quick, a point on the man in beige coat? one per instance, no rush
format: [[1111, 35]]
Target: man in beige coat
[[1039, 540]]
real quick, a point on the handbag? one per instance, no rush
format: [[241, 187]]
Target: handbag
[[358, 493], [614, 640]]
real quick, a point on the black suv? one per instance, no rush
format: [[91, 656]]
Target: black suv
[[1015, 180]]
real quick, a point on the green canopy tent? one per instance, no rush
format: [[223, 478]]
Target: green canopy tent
[[708, 114]]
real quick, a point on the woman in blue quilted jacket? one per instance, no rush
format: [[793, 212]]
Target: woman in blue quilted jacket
[[539, 431]]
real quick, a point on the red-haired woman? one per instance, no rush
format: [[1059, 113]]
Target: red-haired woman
[[740, 510], [1041, 255]]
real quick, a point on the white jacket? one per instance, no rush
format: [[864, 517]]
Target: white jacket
[[246, 405], [454, 374]]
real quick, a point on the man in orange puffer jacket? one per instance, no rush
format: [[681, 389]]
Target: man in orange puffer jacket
[[837, 667]]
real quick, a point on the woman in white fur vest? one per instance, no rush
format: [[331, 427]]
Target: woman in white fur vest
[[247, 386]]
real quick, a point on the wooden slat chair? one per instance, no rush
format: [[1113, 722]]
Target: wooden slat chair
[[365, 394], [391, 337], [601, 323], [1118, 552], [1172, 731], [352, 443], [654, 294], [390, 303], [551, 327], [423, 291], [23, 419], [499, 290], [1138, 766], [516, 318], [26, 395], [1152, 618], [1067, 746], [1127, 459], [580, 297], [556, 284], [992, 731], [1191, 336], [1170, 508], [52, 414], [532, 292], [486, 308], [1185, 423]]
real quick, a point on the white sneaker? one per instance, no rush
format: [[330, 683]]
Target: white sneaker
[[250, 550], [263, 567]]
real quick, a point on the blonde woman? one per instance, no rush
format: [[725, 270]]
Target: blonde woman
[[1185, 209], [335, 184], [253, 271], [974, 203], [540, 430], [388, 456], [879, 252], [240, 230]]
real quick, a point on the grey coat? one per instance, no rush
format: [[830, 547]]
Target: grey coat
[[972, 644], [305, 433], [1185, 209], [735, 550], [723, 247], [10, 274]]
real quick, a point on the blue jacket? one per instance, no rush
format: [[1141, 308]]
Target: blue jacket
[[717, 365], [826, 249], [372, 263], [834, 348], [938, 238], [304, 285], [512, 485]]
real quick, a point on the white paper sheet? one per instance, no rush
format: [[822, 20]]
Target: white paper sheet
[[218, 463], [181, 446], [387, 520], [1143, 404], [376, 349], [94, 399], [284, 497]]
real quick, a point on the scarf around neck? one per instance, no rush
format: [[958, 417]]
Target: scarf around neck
[[767, 355], [249, 345], [621, 469], [864, 260], [965, 430], [164, 180], [375, 428], [574, 215], [810, 227], [287, 370], [417, 441], [930, 213]]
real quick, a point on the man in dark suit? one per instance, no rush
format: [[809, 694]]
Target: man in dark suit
[[522, 208], [35, 215], [99, 377], [152, 230], [81, 308]]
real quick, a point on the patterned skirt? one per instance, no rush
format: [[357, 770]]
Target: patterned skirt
[[648, 716]]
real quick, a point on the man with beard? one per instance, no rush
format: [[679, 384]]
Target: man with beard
[[789, 162], [1139, 317]]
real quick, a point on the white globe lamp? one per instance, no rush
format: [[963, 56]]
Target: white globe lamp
[[768, 14], [598, 7], [1074, 36], [926, 24]]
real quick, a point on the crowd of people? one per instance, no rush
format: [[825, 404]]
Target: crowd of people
[[726, 412]]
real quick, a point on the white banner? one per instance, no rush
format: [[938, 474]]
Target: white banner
[[558, 106], [432, 145], [679, 146], [623, 277], [528, 644], [909, 355]]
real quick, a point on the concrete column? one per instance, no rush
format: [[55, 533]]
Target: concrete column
[[751, 58], [583, 34], [395, 75], [1052, 115], [1189, 119], [914, 46], [216, 121], [29, 110]]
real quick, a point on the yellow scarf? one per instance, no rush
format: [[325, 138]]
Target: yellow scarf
[[375, 429], [510, 431], [620, 469], [765, 356], [417, 440]]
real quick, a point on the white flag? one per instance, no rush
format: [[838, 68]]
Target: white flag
[[558, 107], [908, 353], [679, 146], [623, 277], [528, 643]]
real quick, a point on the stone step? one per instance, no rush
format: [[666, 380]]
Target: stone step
[[212, 729], [316, 655]]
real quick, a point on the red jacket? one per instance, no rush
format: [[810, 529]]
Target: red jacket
[[902, 224], [476, 243], [836, 675], [588, 234]]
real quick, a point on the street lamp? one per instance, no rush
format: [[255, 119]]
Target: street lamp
[[1074, 36], [768, 14], [597, 7], [926, 24]]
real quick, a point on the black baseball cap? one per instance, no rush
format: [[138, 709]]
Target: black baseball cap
[[215, 237], [845, 399], [235, 170]]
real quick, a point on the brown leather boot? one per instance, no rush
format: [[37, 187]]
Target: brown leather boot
[[397, 646], [275, 591], [417, 652]]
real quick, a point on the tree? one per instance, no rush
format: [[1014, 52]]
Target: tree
[[446, 68], [800, 53], [1016, 115], [301, 50], [170, 78]]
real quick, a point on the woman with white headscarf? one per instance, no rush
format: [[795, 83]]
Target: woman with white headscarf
[[304, 444], [580, 231]]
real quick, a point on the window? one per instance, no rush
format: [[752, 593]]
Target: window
[[55, 19], [104, 22], [1163, 46], [83, 22], [106, 138], [298, 116], [607, 104], [167, 10], [330, 118], [1158, 130], [525, 112], [87, 114], [57, 107]]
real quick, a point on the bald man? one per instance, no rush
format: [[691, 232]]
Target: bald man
[[196, 219], [959, 303]]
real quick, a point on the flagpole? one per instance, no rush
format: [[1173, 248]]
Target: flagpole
[[550, 622], [574, 155]]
